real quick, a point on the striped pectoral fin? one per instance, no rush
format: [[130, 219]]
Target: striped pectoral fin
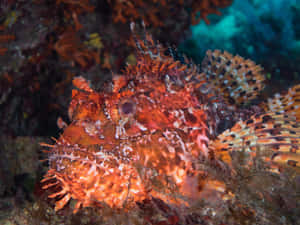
[[239, 80], [275, 136], [286, 103], [221, 151], [289, 160]]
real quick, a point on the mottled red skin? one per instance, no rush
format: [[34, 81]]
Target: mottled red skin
[[136, 141]]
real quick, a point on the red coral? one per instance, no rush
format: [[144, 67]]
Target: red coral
[[73, 8], [207, 7], [4, 38], [155, 13], [71, 49]]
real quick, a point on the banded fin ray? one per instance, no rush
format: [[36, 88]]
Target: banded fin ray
[[288, 103], [238, 80], [275, 135]]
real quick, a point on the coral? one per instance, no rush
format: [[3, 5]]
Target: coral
[[70, 49], [154, 12], [73, 8], [4, 38], [207, 7]]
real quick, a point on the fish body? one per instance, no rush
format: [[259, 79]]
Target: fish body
[[144, 137]]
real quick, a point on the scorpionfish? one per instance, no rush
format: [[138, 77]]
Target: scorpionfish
[[145, 134]]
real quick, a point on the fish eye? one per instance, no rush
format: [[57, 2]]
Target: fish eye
[[127, 108]]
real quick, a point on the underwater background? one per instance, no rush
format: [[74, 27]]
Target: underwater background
[[44, 44], [265, 31]]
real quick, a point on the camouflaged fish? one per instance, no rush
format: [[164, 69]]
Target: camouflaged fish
[[145, 136]]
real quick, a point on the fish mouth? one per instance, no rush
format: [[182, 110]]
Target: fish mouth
[[93, 174]]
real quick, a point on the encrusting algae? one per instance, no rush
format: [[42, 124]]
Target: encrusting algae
[[147, 134]]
